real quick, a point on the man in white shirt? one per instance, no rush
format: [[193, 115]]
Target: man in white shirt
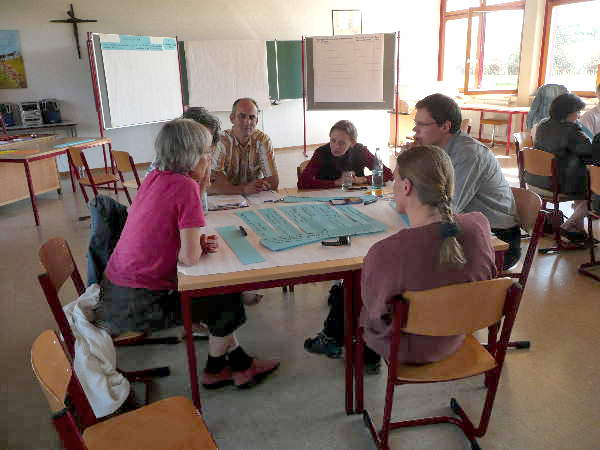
[[591, 119]]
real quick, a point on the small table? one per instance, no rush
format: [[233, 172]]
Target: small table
[[44, 150], [509, 110], [240, 278], [46, 127]]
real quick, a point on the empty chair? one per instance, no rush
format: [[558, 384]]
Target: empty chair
[[124, 163], [79, 164], [592, 215], [170, 423], [450, 310], [521, 139], [494, 123]]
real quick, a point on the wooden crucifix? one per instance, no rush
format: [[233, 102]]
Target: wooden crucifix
[[74, 20]]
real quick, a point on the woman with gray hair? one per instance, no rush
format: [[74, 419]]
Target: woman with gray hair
[[342, 154], [139, 289]]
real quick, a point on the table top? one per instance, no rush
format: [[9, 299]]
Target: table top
[[309, 260], [48, 149], [494, 108], [65, 123]]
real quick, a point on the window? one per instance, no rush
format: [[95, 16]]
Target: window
[[571, 45], [486, 59]]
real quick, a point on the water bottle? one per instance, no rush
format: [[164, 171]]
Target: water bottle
[[377, 175]]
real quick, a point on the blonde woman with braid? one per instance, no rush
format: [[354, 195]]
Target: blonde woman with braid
[[439, 248]]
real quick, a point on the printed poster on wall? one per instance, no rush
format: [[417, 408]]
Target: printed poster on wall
[[12, 68]]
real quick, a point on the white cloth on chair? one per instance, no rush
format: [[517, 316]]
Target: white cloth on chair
[[95, 356]]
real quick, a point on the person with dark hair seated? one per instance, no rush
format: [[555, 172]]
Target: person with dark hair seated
[[562, 136], [342, 154], [480, 183]]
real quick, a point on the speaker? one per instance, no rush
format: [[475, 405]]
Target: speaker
[[50, 111]]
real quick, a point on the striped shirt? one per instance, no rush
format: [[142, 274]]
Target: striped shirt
[[242, 164]]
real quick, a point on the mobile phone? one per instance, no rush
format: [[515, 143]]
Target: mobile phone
[[345, 201]]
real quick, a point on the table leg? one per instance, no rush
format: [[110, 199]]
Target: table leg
[[359, 366], [186, 303], [499, 257], [480, 124], [349, 340], [31, 192], [522, 120], [508, 133]]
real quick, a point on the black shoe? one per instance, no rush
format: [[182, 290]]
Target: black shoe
[[576, 237], [323, 344], [336, 294]]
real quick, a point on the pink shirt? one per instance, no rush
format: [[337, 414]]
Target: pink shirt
[[409, 261], [146, 254]]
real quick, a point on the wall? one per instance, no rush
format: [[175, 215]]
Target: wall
[[54, 71]]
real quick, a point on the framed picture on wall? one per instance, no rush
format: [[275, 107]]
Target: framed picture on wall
[[346, 21], [12, 68]]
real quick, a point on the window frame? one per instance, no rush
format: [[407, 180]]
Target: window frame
[[550, 4], [468, 14]]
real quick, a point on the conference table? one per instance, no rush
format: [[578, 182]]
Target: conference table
[[30, 151], [222, 273], [510, 111]]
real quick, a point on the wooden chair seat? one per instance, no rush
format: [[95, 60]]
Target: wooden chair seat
[[171, 423], [129, 337], [131, 184], [470, 359], [493, 121], [99, 179]]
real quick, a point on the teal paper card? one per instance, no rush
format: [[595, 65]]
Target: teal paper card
[[237, 242]]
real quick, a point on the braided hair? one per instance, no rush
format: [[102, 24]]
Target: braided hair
[[430, 170]]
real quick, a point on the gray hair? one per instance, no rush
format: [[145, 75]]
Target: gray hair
[[234, 107], [201, 115], [180, 144], [347, 127]]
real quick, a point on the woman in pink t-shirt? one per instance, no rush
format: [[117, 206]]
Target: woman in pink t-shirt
[[163, 228]]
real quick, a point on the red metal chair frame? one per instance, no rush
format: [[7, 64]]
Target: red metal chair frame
[[492, 377], [120, 172], [51, 288], [88, 173], [591, 216]]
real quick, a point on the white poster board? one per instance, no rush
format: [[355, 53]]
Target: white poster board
[[219, 72], [138, 79], [348, 68]]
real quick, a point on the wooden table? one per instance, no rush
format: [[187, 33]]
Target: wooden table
[[38, 178], [242, 278], [508, 110], [44, 128]]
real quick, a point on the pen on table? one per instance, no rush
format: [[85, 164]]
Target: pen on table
[[243, 231]]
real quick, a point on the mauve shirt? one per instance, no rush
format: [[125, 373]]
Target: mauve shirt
[[409, 261], [146, 254]]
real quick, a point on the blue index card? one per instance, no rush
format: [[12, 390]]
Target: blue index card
[[366, 198], [246, 253], [69, 144]]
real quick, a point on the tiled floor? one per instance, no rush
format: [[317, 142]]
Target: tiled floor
[[548, 398]]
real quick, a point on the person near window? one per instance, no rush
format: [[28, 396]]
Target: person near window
[[591, 118], [562, 136]]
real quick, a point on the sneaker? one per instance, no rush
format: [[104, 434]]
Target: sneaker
[[216, 380], [323, 344], [257, 372]]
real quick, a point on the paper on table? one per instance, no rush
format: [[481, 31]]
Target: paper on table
[[219, 202], [262, 197]]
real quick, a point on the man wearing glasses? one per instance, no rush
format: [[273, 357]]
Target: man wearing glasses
[[479, 182], [245, 162]]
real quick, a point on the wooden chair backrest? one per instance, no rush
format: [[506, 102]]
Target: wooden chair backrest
[[51, 368], [55, 255], [301, 167], [522, 139], [457, 308], [77, 157], [537, 162], [122, 161], [594, 172], [464, 125], [528, 208]]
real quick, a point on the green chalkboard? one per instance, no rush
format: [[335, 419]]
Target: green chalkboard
[[284, 66]]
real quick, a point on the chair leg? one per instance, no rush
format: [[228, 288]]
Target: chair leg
[[127, 194], [84, 193], [116, 190], [583, 269], [387, 414]]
